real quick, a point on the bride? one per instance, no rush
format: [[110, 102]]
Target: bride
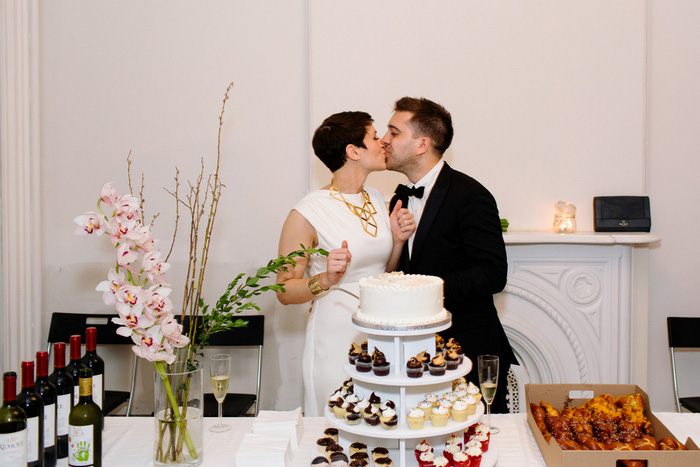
[[342, 217]]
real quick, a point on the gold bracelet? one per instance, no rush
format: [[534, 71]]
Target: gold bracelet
[[314, 287]]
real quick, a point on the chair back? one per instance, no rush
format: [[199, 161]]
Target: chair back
[[64, 325], [683, 333]]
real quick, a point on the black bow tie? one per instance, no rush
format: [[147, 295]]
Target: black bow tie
[[403, 190]]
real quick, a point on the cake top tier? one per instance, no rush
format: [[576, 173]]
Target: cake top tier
[[399, 280]]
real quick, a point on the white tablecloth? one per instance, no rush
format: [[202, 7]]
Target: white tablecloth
[[129, 441]]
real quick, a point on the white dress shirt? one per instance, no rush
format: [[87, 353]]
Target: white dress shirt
[[416, 205]]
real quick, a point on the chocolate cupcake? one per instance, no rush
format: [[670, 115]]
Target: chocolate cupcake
[[320, 461], [323, 443], [452, 360], [331, 433], [414, 368], [437, 366], [380, 366], [373, 419], [363, 363], [354, 352], [439, 343], [375, 400], [424, 358], [359, 463], [384, 461], [357, 447], [364, 346], [333, 449], [360, 455], [353, 416], [379, 452]]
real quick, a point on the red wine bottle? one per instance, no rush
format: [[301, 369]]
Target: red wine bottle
[[33, 406], [96, 364], [74, 366], [64, 398], [13, 425], [47, 391]]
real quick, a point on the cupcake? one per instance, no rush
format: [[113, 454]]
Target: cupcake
[[357, 447], [369, 410], [460, 391], [353, 353], [363, 364], [441, 461], [353, 416], [358, 463], [449, 396], [339, 409], [389, 419], [349, 385], [452, 360], [387, 404], [426, 407], [384, 461], [450, 450], [439, 416], [424, 358], [333, 399], [454, 438], [461, 459], [331, 433], [379, 452], [320, 461], [363, 346], [473, 390], [380, 366], [415, 419], [323, 443], [474, 452], [423, 446], [459, 411], [460, 353], [458, 381], [374, 399], [471, 405], [352, 398], [451, 342], [483, 435], [339, 459], [439, 343], [362, 405], [373, 419], [437, 366], [432, 398], [360, 456], [333, 449], [426, 459], [414, 368]]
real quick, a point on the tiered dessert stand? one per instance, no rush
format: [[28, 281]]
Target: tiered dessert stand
[[399, 343]]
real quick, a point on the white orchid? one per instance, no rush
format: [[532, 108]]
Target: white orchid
[[88, 224], [111, 286]]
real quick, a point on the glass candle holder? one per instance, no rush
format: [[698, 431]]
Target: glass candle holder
[[564, 218]]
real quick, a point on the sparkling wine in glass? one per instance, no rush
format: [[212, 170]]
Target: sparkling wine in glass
[[220, 373], [488, 381]]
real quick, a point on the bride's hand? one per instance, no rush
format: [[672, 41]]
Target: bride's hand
[[337, 264], [402, 223]]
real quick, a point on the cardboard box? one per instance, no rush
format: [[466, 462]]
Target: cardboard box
[[577, 394]]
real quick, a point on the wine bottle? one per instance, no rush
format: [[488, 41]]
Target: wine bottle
[[13, 425], [64, 399], [85, 427], [47, 391], [75, 364], [33, 406], [96, 364]]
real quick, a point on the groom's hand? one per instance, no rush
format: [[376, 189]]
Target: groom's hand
[[338, 260], [402, 222]]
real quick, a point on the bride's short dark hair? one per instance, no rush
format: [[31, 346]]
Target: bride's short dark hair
[[336, 132]]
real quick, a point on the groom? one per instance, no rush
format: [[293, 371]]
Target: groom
[[458, 237]]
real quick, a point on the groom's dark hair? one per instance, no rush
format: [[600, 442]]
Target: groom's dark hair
[[334, 135], [429, 119]]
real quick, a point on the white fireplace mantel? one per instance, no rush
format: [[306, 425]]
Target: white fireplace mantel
[[575, 306]]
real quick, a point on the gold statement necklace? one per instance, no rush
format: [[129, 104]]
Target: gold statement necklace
[[365, 213]]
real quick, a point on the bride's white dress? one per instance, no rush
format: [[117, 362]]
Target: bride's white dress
[[329, 331]]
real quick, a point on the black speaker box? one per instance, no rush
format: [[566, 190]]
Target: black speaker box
[[621, 214]]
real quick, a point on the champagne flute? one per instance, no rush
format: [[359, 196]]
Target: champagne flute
[[220, 373], [488, 381]]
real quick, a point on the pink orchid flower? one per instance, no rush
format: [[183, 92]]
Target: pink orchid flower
[[119, 230], [131, 322], [125, 254], [127, 208], [154, 268], [110, 287], [88, 224], [148, 346], [157, 302], [172, 331], [143, 238], [108, 194]]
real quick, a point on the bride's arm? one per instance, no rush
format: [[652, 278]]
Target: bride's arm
[[298, 231], [402, 227]]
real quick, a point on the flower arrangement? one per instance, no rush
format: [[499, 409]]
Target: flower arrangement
[[136, 285]]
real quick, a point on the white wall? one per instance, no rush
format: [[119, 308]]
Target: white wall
[[549, 100]]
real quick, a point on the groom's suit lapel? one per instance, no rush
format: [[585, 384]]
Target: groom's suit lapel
[[432, 206]]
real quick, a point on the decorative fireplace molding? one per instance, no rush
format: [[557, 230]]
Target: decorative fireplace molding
[[575, 306]]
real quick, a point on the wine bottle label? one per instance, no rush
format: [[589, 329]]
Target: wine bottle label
[[49, 425], [97, 390], [81, 445], [33, 439], [62, 413], [13, 451], [62, 462]]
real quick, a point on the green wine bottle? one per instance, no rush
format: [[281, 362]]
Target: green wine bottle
[[85, 427], [13, 425]]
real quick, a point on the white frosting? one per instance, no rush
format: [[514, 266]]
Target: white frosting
[[423, 446], [388, 413], [473, 451], [472, 389], [441, 462], [397, 299], [453, 448], [416, 413], [482, 428], [471, 400], [460, 456], [425, 405], [427, 456], [441, 410], [459, 406]]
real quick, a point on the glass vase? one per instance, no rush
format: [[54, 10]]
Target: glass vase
[[178, 415]]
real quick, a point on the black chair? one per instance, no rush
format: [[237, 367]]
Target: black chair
[[683, 333], [64, 325], [250, 336]]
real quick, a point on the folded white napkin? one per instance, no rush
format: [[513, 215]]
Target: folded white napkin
[[258, 450], [287, 424]]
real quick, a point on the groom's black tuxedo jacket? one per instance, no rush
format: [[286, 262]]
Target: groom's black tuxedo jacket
[[459, 239]]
